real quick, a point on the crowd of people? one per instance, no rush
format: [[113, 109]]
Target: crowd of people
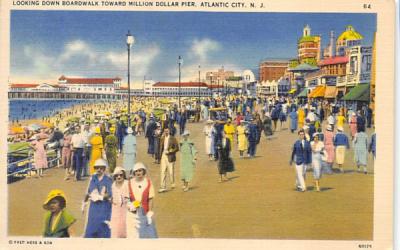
[[120, 196]]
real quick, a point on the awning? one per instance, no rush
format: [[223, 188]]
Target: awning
[[303, 93], [330, 92], [358, 93], [319, 91], [292, 91]]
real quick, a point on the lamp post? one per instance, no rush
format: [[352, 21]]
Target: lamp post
[[129, 41], [211, 80], [218, 86], [199, 85], [180, 61]]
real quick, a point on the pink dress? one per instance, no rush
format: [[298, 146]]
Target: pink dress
[[118, 211], [39, 155], [66, 152], [329, 147], [353, 126]]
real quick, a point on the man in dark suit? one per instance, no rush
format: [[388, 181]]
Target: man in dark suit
[[302, 155]]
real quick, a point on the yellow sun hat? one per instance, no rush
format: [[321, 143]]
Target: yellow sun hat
[[97, 130], [53, 194], [112, 129]]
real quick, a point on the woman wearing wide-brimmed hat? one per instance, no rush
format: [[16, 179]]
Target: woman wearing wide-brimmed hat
[[140, 222], [341, 142], [57, 220], [120, 195], [188, 160], [99, 194], [96, 141]]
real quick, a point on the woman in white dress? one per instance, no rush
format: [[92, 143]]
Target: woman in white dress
[[120, 195], [317, 149], [209, 139]]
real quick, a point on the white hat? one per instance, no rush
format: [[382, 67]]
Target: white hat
[[186, 132], [118, 170], [305, 127], [139, 165], [210, 121], [66, 130], [329, 128], [129, 130], [340, 128], [315, 134], [100, 163]]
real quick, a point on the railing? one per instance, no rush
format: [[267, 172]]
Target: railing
[[15, 168]]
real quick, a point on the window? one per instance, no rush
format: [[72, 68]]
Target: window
[[353, 65], [366, 62]]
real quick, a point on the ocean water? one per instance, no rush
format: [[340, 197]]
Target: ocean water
[[36, 109]]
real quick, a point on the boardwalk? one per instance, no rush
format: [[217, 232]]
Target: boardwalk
[[259, 202]]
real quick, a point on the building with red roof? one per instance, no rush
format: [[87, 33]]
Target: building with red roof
[[183, 89], [90, 85]]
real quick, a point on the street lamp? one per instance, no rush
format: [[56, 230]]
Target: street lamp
[[129, 42], [211, 80], [199, 84], [180, 61]]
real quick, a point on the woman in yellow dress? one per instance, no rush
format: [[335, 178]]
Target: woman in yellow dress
[[340, 120], [300, 117], [229, 130], [97, 149], [242, 138]]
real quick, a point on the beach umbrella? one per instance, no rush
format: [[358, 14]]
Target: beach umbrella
[[34, 127], [16, 130], [47, 124]]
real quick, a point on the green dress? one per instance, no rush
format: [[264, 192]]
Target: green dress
[[188, 153], [61, 227], [111, 151]]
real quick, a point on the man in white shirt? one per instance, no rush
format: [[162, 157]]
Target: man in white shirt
[[78, 145], [86, 135]]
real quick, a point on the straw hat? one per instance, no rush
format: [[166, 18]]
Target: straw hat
[[101, 163], [117, 170], [139, 165], [53, 194]]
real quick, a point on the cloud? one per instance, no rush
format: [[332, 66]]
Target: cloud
[[202, 48], [201, 52], [79, 58], [77, 48]]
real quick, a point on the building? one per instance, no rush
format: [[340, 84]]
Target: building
[[309, 47], [189, 89], [90, 85], [280, 87], [358, 69], [272, 70], [349, 38], [218, 76]]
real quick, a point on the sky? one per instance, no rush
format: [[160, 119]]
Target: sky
[[48, 44]]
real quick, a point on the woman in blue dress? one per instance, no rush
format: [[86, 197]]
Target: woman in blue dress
[[360, 144], [293, 120], [99, 194]]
